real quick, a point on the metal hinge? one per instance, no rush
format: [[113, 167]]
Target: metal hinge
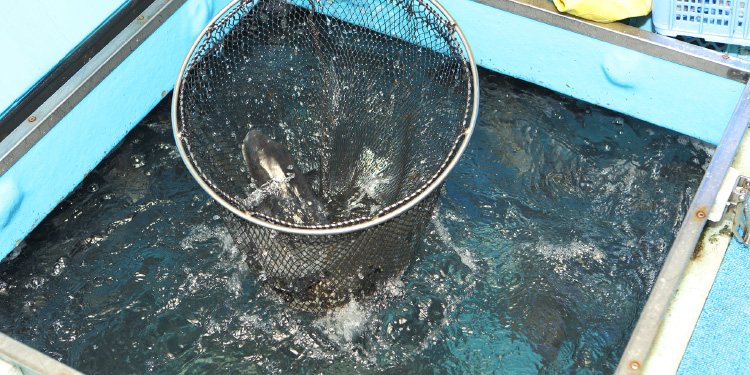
[[732, 199], [738, 199]]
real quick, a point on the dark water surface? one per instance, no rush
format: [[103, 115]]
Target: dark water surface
[[542, 250]]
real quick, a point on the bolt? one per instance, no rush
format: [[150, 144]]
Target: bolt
[[701, 214], [163, 93], [32, 118], [635, 365], [725, 56]]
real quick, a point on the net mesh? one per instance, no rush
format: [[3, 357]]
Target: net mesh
[[373, 101]]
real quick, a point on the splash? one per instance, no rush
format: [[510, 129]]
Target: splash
[[445, 236], [344, 324]]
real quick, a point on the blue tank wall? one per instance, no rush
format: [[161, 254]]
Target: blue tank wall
[[667, 94], [54, 166], [57, 27]]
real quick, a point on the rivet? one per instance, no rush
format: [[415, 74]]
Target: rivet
[[32, 118], [725, 56], [141, 18], [701, 214], [635, 365]]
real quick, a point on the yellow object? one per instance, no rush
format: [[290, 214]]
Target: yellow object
[[604, 10]]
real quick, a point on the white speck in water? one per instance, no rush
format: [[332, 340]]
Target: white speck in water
[[137, 160], [462, 252]]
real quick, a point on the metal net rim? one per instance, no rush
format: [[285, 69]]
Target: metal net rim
[[404, 205]]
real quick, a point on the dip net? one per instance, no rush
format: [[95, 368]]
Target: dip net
[[373, 100]]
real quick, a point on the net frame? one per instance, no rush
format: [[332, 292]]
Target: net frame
[[392, 211]]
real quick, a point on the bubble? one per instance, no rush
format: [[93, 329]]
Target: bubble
[[60, 266], [137, 160], [587, 185], [35, 282]]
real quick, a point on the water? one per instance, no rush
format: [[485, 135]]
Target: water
[[545, 243]]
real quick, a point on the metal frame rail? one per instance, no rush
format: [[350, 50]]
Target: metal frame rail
[[646, 329], [71, 64], [44, 118], [633, 38], [30, 361]]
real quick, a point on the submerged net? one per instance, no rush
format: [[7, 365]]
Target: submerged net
[[373, 101]]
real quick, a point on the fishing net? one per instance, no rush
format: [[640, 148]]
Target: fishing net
[[374, 101]]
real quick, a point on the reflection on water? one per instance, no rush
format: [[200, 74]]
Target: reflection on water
[[545, 243]]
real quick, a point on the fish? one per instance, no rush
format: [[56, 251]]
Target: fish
[[285, 192]]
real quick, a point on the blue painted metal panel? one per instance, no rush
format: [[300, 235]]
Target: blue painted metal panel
[[689, 101], [59, 161], [36, 34]]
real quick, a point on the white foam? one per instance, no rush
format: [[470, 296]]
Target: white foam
[[369, 171], [344, 324], [462, 252], [199, 233], [273, 187], [571, 251]]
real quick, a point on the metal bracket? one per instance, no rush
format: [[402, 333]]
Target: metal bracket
[[733, 199], [721, 203], [739, 201]]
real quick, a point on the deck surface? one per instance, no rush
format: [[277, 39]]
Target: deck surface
[[720, 342]]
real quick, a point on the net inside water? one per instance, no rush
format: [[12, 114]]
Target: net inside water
[[377, 105], [375, 99], [544, 244]]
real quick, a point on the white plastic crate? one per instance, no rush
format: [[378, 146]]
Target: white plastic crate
[[722, 21]]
